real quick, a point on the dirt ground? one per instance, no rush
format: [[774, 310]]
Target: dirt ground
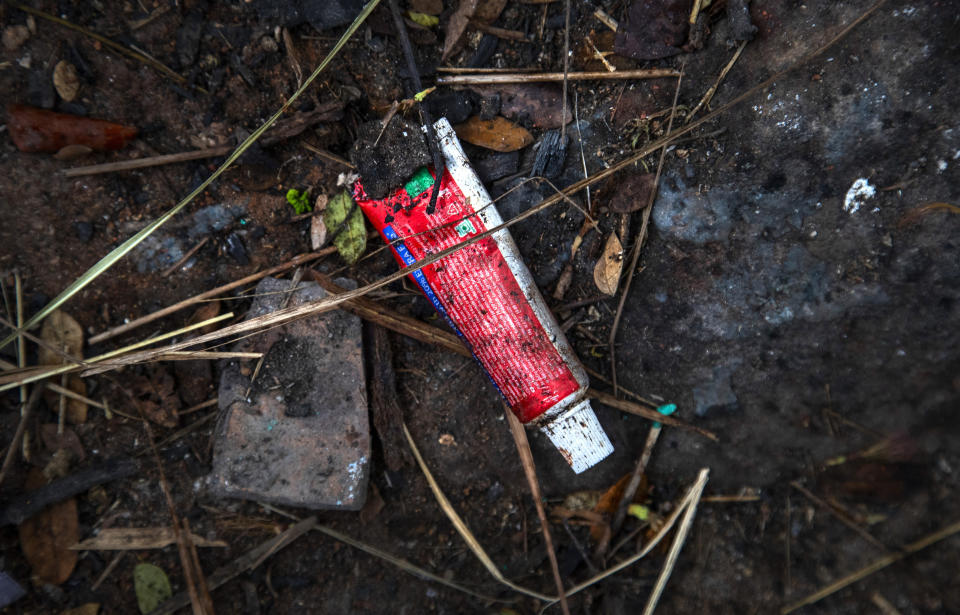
[[796, 320]]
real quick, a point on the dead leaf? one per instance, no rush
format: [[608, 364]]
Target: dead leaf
[[488, 11], [14, 36], [137, 538], [205, 312], [62, 332], [429, 7], [45, 538], [653, 29], [72, 152], [633, 193], [158, 396], [67, 440], [373, 506], [498, 134], [609, 502], [457, 26], [90, 608], [606, 273], [541, 104], [318, 233], [65, 80]]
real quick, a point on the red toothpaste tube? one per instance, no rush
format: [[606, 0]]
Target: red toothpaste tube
[[487, 295]]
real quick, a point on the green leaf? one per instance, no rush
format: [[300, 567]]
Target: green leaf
[[152, 586], [427, 21], [299, 200], [345, 221]]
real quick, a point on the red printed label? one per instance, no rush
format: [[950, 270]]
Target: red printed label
[[475, 289]]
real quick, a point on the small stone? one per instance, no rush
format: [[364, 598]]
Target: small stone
[[306, 442], [65, 80], [14, 36], [83, 230], [237, 250]]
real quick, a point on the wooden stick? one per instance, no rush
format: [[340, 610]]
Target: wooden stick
[[513, 35], [411, 327], [869, 569], [530, 470], [457, 70], [497, 79], [325, 154], [460, 525], [840, 515], [241, 564], [185, 257], [28, 407], [645, 412], [176, 307], [149, 161]]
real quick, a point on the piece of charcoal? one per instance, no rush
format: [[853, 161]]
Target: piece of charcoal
[[496, 166], [738, 13], [550, 156]]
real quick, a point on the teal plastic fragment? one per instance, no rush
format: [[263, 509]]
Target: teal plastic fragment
[[419, 183], [665, 410]]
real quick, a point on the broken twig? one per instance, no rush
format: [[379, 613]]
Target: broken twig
[[496, 79], [530, 471]]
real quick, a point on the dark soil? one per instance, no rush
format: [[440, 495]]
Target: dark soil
[[795, 321]]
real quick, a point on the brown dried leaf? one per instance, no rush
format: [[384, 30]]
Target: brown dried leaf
[[488, 11], [541, 104], [67, 440], [373, 506], [427, 7], [606, 273], [457, 26], [633, 193], [60, 331], [65, 80], [318, 233], [137, 538], [205, 312], [72, 152], [653, 29], [609, 501], [498, 134], [45, 538]]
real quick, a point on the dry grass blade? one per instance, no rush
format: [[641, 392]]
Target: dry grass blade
[[11, 380], [120, 251], [880, 564], [530, 470], [518, 77], [693, 495], [240, 564], [681, 537], [387, 557], [403, 564], [462, 528], [840, 515], [638, 245], [213, 292]]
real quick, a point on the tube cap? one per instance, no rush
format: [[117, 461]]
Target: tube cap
[[579, 437]]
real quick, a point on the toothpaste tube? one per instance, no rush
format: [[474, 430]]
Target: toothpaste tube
[[487, 295]]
